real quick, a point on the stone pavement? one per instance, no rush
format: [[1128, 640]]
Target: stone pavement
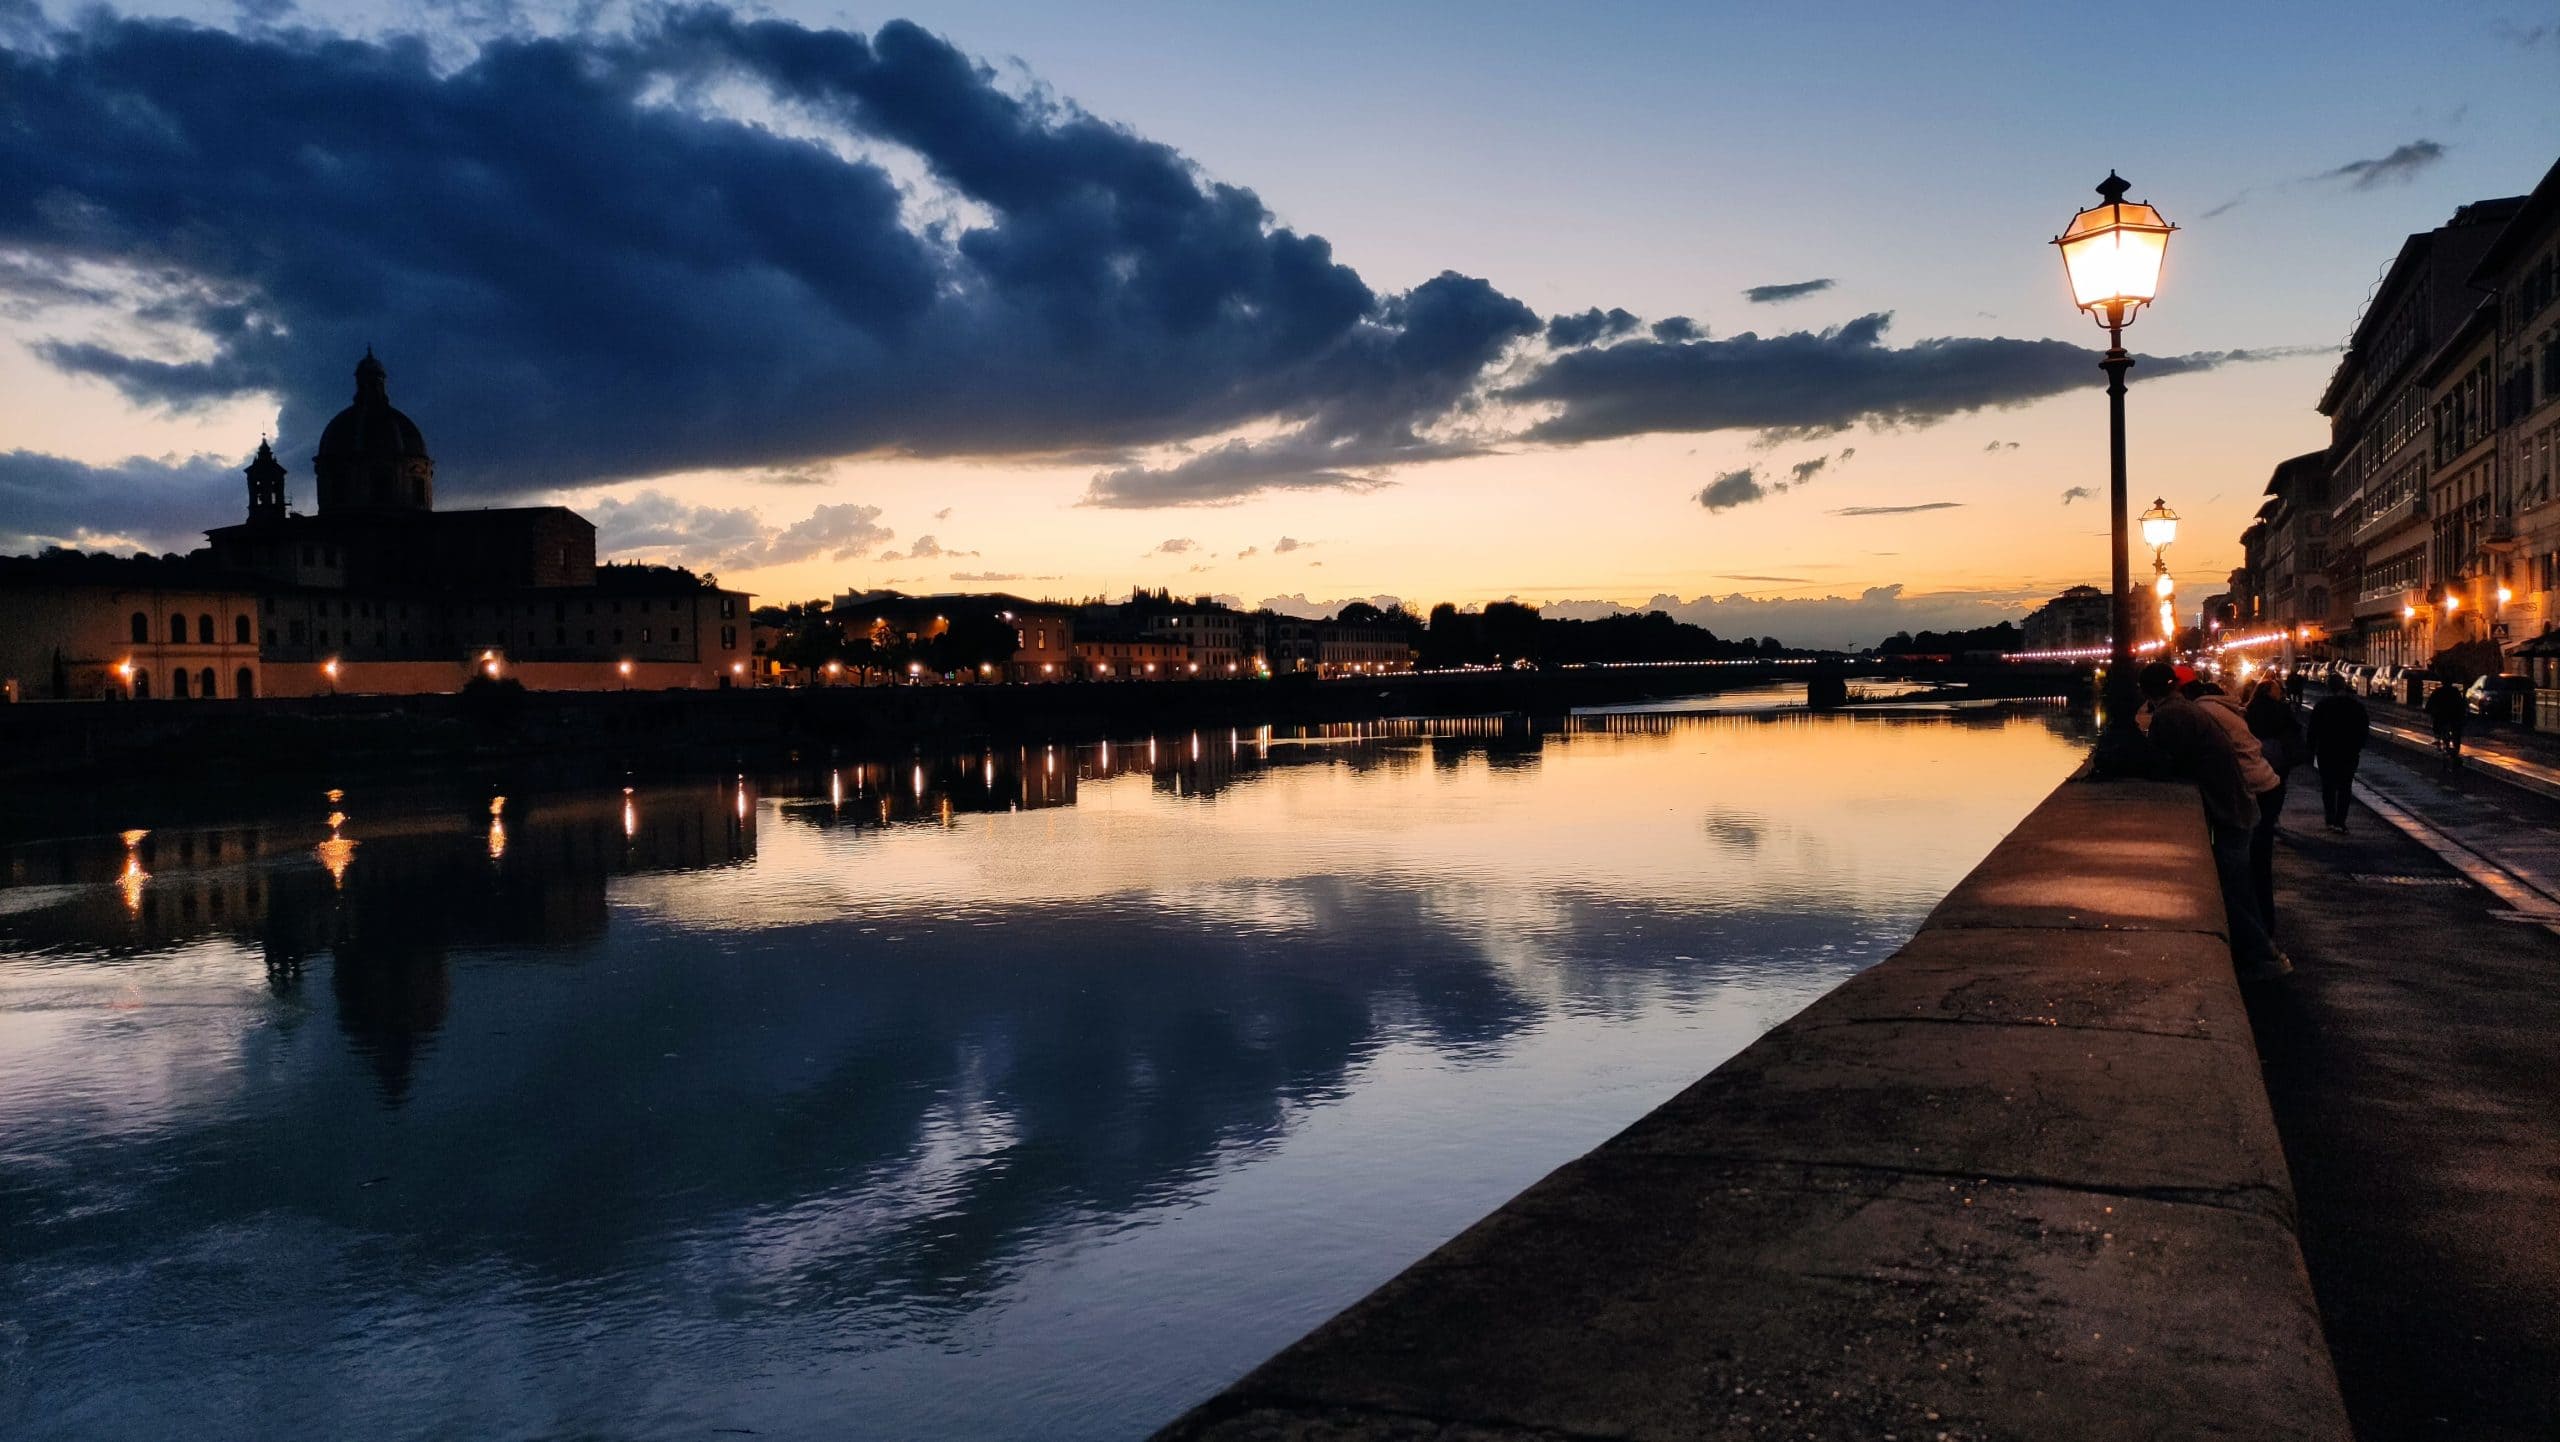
[[2414, 1065]]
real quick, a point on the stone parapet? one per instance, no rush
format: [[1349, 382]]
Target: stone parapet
[[2018, 1181]]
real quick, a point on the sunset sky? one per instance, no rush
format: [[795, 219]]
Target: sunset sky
[[1288, 302]]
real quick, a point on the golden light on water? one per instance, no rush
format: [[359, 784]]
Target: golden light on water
[[630, 816], [497, 837], [133, 878], [336, 854]]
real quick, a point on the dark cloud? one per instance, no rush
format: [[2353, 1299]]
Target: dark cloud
[[2402, 165], [1897, 510], [1678, 328], [655, 524], [943, 515], [1733, 488], [2077, 493], [140, 503], [2001, 446], [1595, 324], [600, 256], [1803, 471], [1809, 383], [580, 267], [1417, 362], [995, 578], [1792, 290], [1286, 544], [1178, 546], [1248, 552]]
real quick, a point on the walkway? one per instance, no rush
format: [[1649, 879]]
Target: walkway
[[2414, 1065]]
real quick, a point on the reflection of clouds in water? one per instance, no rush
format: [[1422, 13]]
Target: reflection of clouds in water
[[847, 1098], [91, 1050]]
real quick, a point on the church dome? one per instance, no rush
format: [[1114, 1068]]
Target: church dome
[[372, 457], [372, 428]]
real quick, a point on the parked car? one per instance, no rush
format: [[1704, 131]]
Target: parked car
[[2349, 677], [2389, 683], [2501, 698]]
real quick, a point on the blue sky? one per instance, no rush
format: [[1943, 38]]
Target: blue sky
[[1659, 159]]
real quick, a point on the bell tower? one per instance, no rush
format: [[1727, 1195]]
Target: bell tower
[[266, 485]]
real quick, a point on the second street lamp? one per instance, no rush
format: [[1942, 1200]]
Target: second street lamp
[[2112, 253]]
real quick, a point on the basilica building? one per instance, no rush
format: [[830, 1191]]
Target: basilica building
[[376, 590]]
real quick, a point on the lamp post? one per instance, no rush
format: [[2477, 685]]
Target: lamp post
[[2112, 253]]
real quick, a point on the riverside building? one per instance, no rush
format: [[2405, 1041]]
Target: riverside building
[[378, 591]]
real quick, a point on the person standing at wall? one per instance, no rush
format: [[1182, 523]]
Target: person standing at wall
[[2339, 728], [2204, 750]]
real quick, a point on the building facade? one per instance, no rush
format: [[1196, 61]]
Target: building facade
[[2384, 547], [380, 592], [80, 628]]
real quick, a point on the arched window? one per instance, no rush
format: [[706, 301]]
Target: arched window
[[204, 630], [178, 684], [204, 684], [240, 630], [178, 629], [141, 627], [244, 683], [141, 685]]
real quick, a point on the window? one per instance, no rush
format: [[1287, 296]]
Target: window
[[204, 630], [141, 627], [240, 629], [298, 630], [244, 683], [675, 633], [178, 629], [204, 684], [644, 635], [178, 684], [141, 685]]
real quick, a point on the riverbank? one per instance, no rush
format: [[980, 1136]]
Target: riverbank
[[2019, 1180]]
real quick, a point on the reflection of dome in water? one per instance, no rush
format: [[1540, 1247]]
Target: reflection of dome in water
[[371, 455]]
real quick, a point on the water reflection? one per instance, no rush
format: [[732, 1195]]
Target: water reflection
[[1025, 1091]]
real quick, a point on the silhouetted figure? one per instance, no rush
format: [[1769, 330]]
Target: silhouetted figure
[[2279, 735], [2190, 736], [2339, 728], [2448, 711]]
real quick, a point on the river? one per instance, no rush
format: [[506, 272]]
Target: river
[[1021, 1094]]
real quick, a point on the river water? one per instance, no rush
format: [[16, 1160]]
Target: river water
[[1020, 1094]]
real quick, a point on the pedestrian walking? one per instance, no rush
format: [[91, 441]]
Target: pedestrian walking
[[2203, 748], [2339, 728], [2271, 720], [2449, 712]]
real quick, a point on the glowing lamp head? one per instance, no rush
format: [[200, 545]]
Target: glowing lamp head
[[2408, 613], [331, 667], [2452, 604], [2166, 586], [2159, 525], [2505, 595], [624, 668], [2112, 253]]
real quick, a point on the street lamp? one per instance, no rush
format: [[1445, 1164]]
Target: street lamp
[[2112, 252]]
